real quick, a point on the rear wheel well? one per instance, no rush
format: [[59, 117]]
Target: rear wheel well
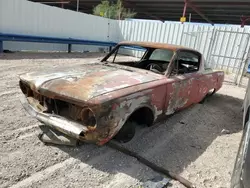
[[142, 116]]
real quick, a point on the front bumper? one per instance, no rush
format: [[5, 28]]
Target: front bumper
[[64, 125]]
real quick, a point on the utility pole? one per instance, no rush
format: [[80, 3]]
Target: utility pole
[[77, 6]]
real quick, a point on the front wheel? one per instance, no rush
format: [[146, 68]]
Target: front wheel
[[127, 132]]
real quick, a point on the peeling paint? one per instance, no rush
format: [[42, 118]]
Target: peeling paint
[[179, 96], [129, 106], [103, 97], [157, 112]]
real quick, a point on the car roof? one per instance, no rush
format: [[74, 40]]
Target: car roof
[[156, 45]]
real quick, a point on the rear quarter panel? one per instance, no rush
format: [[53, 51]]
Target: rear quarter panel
[[210, 80]]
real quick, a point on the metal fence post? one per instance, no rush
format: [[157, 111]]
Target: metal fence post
[[242, 60], [245, 63], [69, 48], [1, 46], [196, 36], [77, 6], [211, 46], [182, 33]]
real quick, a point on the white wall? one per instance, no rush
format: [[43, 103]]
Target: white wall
[[29, 18]]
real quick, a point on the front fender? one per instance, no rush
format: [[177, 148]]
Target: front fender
[[122, 109]]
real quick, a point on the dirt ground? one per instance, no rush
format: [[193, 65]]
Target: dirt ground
[[190, 143]]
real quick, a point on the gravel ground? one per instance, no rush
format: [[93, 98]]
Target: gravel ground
[[190, 143]]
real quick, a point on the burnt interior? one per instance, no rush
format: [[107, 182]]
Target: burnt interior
[[157, 60], [58, 107]]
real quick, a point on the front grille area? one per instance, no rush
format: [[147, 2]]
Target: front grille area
[[55, 106]]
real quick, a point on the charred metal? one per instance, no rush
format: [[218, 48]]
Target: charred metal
[[95, 102]]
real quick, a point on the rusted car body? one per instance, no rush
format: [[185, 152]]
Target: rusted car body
[[94, 102]]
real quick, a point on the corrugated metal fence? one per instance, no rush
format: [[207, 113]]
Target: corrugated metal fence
[[224, 47]]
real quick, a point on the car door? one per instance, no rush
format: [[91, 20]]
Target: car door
[[182, 87]]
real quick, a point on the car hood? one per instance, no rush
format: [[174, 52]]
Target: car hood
[[86, 81]]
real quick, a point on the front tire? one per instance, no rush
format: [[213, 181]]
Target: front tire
[[127, 132]]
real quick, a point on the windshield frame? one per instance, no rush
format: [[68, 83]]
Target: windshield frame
[[146, 55], [116, 49]]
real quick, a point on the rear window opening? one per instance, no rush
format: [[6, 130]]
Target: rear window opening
[[186, 62]]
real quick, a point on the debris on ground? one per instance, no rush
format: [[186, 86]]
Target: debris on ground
[[156, 182], [225, 131]]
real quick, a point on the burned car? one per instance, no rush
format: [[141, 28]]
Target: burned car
[[137, 83]]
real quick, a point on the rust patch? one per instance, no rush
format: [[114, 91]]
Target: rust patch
[[179, 95], [155, 45]]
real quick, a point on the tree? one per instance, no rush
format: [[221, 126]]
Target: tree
[[113, 11]]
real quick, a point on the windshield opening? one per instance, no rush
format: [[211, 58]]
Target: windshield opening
[[127, 53], [161, 55], [154, 59]]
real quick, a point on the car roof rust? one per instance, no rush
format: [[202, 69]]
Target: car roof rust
[[156, 45]]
